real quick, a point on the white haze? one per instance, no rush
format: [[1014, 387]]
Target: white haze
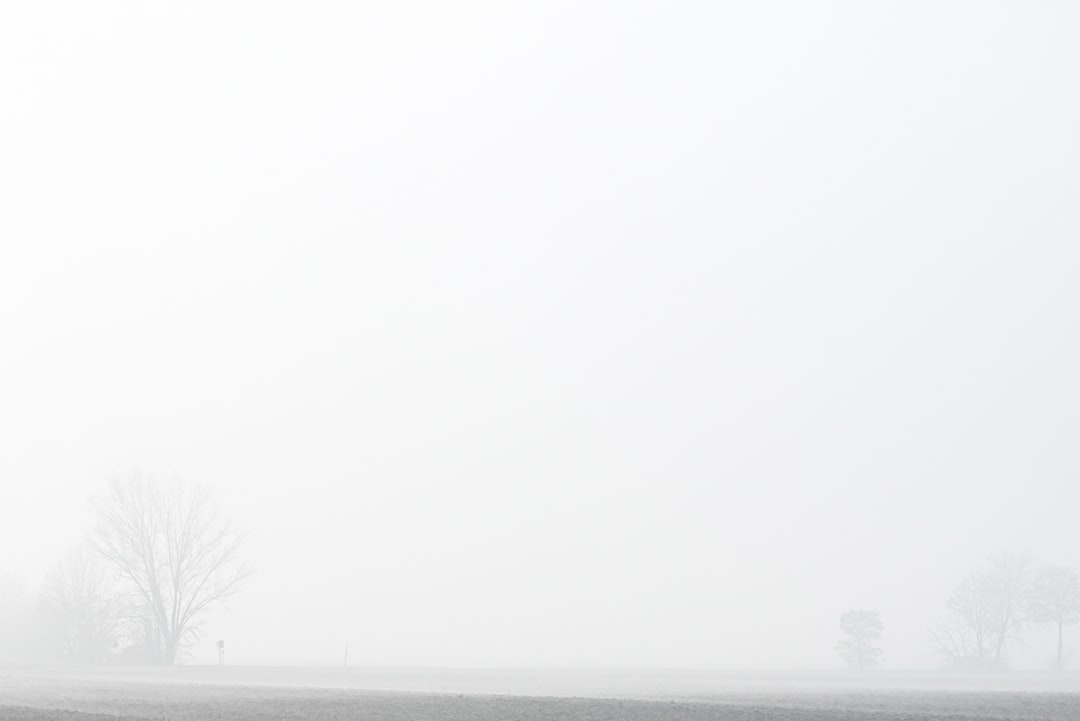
[[638, 334]]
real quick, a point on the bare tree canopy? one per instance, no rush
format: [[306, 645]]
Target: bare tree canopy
[[1055, 598], [988, 613], [179, 556], [84, 610], [966, 638], [862, 629], [1010, 586]]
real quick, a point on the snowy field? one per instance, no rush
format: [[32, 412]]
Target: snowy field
[[209, 694]]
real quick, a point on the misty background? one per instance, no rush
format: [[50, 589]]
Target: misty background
[[552, 334]]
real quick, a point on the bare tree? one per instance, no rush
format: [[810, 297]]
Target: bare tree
[[1055, 598], [82, 606], [1010, 586], [987, 614], [966, 639], [862, 629], [169, 543]]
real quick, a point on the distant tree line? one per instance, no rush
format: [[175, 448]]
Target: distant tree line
[[989, 612], [137, 591]]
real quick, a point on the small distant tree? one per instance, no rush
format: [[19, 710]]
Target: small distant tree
[[179, 557], [82, 608], [1055, 598], [862, 630]]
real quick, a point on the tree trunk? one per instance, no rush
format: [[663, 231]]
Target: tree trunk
[[169, 656], [1061, 647]]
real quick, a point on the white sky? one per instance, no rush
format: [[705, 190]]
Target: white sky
[[533, 334]]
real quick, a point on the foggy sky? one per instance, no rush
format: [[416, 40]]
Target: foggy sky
[[549, 334]]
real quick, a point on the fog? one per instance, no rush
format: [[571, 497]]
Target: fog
[[604, 334]]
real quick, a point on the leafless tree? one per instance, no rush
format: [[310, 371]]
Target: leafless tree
[[179, 556], [1055, 598], [1010, 587], [862, 629], [82, 606], [987, 614], [967, 637]]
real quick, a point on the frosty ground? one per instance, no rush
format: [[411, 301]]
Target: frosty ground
[[212, 694]]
